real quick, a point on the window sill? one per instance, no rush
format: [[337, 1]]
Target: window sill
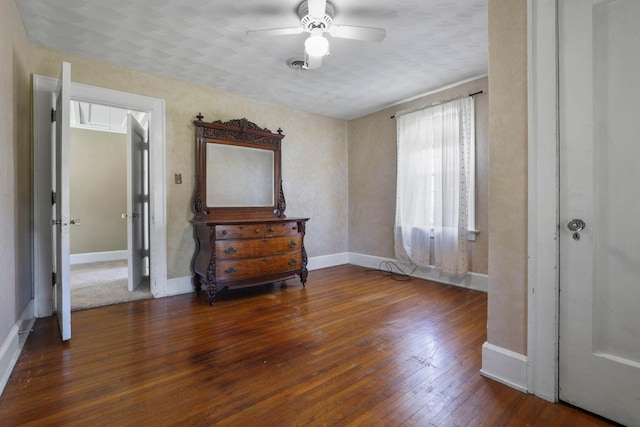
[[472, 234]]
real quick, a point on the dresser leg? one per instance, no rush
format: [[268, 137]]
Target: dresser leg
[[211, 293], [303, 271], [303, 276], [197, 283]]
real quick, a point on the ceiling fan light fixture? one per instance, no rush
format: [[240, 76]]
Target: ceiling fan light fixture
[[316, 45], [316, 18]]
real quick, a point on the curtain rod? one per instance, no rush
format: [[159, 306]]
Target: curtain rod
[[439, 102]]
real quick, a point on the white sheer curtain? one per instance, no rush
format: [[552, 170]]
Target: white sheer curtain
[[435, 153]]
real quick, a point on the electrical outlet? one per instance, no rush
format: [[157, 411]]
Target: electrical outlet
[[178, 178]]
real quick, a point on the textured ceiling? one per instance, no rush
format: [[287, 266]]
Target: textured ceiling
[[430, 44]]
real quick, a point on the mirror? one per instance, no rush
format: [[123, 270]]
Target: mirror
[[237, 171], [239, 176]]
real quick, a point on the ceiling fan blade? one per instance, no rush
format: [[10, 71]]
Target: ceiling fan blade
[[275, 31], [314, 62], [368, 34], [316, 8]]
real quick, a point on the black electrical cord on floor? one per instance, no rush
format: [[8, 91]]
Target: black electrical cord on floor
[[386, 268]]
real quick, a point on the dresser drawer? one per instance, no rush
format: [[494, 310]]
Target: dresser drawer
[[282, 228], [247, 248], [239, 231], [241, 269]]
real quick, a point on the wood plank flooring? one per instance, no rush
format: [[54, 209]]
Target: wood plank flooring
[[353, 348]]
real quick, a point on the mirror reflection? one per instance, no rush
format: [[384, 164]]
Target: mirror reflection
[[239, 176]]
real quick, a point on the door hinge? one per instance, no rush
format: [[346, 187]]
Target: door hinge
[[53, 115], [53, 197], [53, 278]]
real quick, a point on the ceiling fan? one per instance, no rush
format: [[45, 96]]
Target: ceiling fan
[[316, 18]]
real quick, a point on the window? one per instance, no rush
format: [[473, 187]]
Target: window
[[435, 185]]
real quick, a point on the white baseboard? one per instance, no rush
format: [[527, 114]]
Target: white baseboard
[[98, 256], [179, 286], [478, 282], [12, 345], [325, 261], [184, 285], [505, 366]]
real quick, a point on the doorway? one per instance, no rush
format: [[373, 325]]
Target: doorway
[[43, 87], [98, 173]]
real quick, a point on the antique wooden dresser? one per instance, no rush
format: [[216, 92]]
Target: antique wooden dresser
[[243, 236]]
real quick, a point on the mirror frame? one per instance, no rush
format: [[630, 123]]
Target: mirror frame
[[241, 133]]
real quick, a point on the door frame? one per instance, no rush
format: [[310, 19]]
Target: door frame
[[42, 251], [543, 215]]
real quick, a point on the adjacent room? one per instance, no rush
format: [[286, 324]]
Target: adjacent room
[[319, 212], [99, 272]]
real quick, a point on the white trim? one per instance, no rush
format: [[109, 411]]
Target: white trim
[[184, 285], [98, 257], [42, 179], [505, 366], [42, 265], [157, 169], [543, 190], [179, 286], [478, 282], [12, 346], [316, 263]]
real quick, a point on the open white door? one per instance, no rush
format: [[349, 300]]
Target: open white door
[[136, 215], [61, 198], [599, 347]]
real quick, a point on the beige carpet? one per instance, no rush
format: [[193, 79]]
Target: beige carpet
[[103, 283]]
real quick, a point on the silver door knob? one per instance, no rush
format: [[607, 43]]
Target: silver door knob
[[576, 225]]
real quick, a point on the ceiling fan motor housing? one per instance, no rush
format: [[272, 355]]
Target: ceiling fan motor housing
[[309, 23]]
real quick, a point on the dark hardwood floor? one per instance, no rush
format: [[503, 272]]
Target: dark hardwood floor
[[353, 348]]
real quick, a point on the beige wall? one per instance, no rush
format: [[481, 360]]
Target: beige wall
[[98, 190], [314, 151], [372, 176], [16, 285], [507, 318]]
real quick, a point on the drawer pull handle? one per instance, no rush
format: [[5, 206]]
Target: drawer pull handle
[[292, 244], [224, 232], [231, 271], [271, 229], [292, 261], [230, 250], [257, 230]]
